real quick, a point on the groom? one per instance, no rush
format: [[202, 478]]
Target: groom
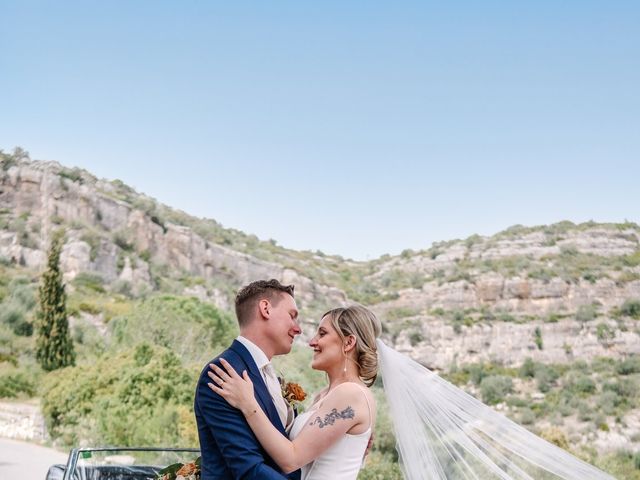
[[268, 319]]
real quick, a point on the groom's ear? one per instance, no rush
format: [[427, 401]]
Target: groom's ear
[[264, 308]]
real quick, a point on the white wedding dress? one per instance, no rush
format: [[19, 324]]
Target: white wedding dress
[[343, 459]]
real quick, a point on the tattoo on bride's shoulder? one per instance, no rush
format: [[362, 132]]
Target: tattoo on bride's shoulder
[[331, 417]]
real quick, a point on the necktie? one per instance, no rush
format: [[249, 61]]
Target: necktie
[[273, 385]]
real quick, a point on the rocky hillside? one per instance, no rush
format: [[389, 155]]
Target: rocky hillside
[[554, 293], [130, 240]]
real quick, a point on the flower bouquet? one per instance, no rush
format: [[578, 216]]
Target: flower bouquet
[[181, 471]]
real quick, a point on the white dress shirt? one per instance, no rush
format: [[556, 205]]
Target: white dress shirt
[[271, 381]]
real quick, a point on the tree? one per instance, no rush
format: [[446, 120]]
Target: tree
[[54, 347]]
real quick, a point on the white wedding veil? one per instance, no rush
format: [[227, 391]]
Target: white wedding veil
[[443, 433]]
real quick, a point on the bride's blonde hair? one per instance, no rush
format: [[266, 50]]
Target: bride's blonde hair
[[360, 322]]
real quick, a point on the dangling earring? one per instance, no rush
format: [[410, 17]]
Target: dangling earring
[[344, 352]]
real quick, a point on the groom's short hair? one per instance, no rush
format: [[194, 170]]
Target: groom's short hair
[[249, 295]]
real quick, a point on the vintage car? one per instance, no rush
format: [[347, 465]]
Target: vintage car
[[120, 463]]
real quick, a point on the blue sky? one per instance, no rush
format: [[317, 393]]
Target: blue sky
[[357, 128]]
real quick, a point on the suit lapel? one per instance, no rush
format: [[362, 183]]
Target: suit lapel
[[260, 388]]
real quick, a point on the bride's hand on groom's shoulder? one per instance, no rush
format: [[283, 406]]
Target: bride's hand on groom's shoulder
[[235, 389]]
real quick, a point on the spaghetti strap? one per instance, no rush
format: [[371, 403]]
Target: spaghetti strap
[[366, 397]]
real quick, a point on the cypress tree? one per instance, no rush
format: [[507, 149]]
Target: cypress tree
[[54, 347]]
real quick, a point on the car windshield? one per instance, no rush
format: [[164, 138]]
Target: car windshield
[[120, 464]]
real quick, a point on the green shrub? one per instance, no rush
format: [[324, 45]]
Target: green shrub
[[605, 333], [476, 373], [519, 402], [528, 369], [11, 314], [74, 175], [545, 377], [137, 397], [494, 388], [21, 293], [90, 308], [16, 308], [564, 408], [122, 287], [556, 436], [583, 384], [527, 417], [15, 318], [590, 277], [631, 308], [14, 383], [608, 402], [632, 260], [553, 318], [89, 281], [585, 412], [544, 274], [415, 337], [24, 329], [121, 262], [93, 240], [569, 251], [121, 240], [8, 358], [628, 366], [626, 388], [506, 317], [537, 337]]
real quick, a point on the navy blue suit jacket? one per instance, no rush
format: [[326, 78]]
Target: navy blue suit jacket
[[229, 448]]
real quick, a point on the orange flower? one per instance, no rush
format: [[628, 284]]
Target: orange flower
[[294, 392], [187, 469]]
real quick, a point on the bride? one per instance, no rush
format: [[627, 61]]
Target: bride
[[442, 433]]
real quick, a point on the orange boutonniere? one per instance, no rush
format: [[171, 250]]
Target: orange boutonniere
[[292, 392]]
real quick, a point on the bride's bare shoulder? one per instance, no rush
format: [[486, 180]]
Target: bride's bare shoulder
[[352, 391], [319, 395]]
